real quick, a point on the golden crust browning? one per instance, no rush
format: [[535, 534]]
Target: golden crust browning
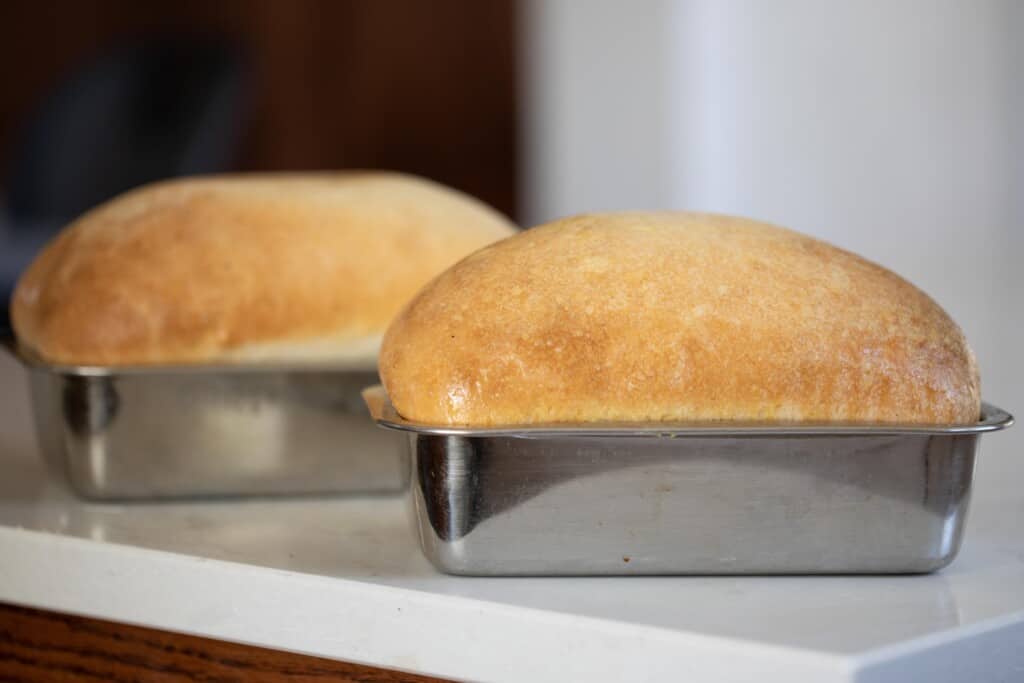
[[674, 317], [278, 267]]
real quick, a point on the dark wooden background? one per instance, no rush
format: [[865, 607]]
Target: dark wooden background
[[424, 87], [45, 647]]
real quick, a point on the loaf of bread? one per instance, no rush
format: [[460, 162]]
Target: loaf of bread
[[674, 317], [260, 268]]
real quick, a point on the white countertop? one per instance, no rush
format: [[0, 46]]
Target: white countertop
[[344, 579]]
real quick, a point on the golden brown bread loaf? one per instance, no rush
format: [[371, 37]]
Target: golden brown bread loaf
[[674, 317], [277, 267]]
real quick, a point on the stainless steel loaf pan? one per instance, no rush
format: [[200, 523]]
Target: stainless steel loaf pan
[[690, 499], [159, 432]]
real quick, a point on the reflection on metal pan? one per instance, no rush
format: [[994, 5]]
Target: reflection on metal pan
[[172, 432], [678, 499]]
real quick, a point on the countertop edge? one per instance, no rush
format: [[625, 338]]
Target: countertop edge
[[395, 628]]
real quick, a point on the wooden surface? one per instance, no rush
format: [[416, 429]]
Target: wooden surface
[[45, 646], [424, 87]]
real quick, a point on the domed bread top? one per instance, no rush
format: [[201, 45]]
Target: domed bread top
[[259, 268], [674, 317]]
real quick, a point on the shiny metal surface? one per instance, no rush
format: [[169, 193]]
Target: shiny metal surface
[[193, 431], [686, 499]]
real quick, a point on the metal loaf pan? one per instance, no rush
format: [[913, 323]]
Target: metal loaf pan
[[171, 432], [690, 499]]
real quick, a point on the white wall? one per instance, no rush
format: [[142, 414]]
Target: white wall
[[596, 91], [890, 128]]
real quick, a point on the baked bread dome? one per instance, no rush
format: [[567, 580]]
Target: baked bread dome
[[248, 268], [674, 317]]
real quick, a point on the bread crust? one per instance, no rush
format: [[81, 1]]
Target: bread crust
[[256, 268], [674, 317]]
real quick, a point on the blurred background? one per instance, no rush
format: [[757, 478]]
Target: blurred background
[[99, 96], [895, 129]]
